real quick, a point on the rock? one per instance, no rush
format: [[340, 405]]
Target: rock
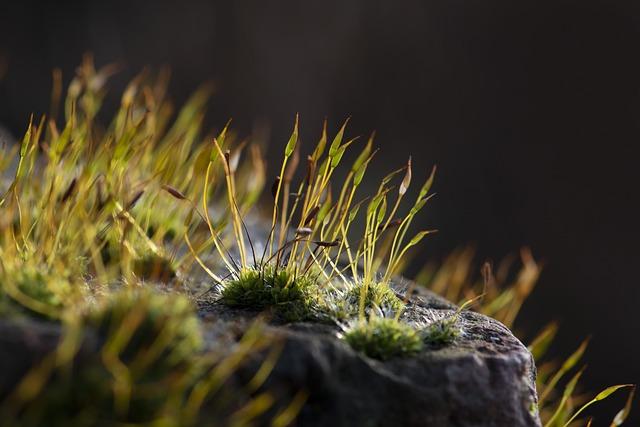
[[22, 345], [486, 377], [25, 343]]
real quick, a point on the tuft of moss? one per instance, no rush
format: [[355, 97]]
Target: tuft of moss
[[291, 297], [148, 355], [154, 332], [376, 295], [442, 332], [33, 292], [148, 344], [155, 268], [136, 358], [383, 338]]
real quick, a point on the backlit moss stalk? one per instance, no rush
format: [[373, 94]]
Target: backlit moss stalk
[[310, 230]]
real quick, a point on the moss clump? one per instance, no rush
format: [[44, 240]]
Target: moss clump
[[378, 295], [155, 268], [345, 303], [34, 292], [292, 298], [442, 332], [383, 338], [159, 332], [146, 361]]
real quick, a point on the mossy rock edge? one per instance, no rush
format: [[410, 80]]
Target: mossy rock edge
[[485, 376]]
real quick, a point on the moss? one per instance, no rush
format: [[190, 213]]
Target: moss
[[33, 292], [148, 348], [154, 267], [292, 298], [383, 338], [344, 304], [162, 329], [377, 294], [442, 332]]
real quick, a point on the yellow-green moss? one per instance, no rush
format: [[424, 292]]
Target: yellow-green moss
[[291, 297], [383, 338]]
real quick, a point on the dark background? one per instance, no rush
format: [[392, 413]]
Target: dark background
[[530, 109]]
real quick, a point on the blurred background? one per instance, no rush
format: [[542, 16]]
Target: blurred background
[[530, 109]]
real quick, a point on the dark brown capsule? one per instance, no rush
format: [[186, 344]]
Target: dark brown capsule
[[69, 190], [274, 187], [392, 224], [100, 199], [135, 199], [311, 215], [327, 244], [174, 192]]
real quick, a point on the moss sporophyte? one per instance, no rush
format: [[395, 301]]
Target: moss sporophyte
[[93, 214]]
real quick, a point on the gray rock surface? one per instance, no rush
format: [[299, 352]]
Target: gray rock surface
[[22, 344], [485, 378]]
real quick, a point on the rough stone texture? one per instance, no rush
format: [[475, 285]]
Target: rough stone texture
[[485, 378]]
